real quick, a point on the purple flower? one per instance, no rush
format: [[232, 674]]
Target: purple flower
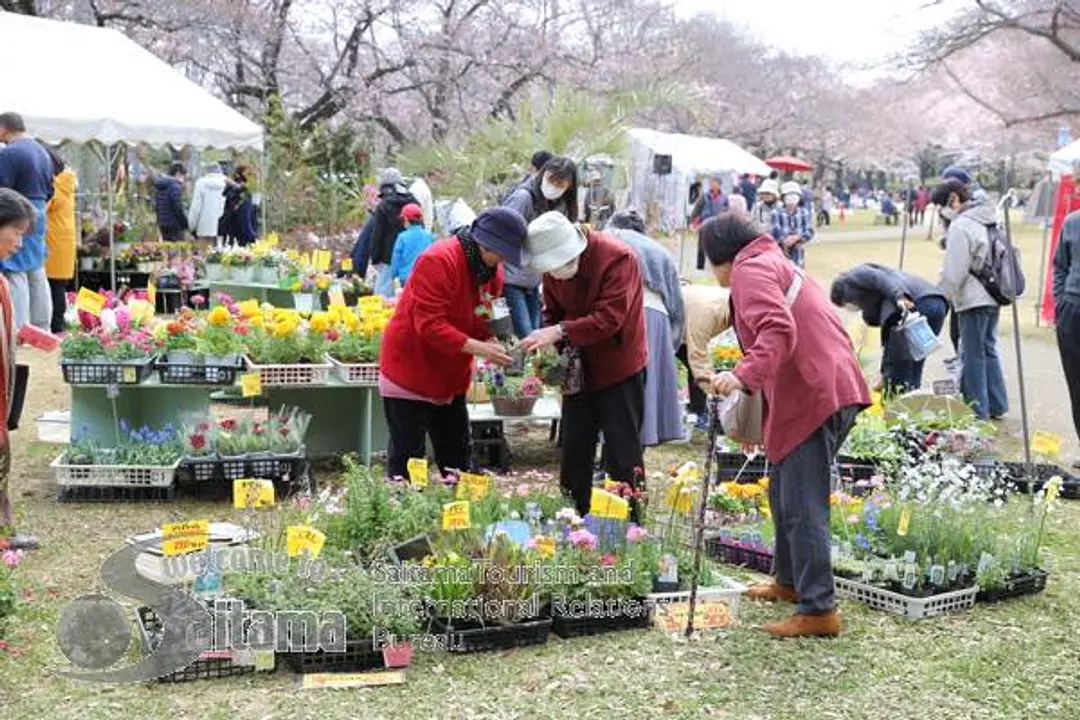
[[583, 539], [635, 533]]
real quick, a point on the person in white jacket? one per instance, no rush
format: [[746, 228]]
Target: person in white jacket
[[422, 193], [207, 203]]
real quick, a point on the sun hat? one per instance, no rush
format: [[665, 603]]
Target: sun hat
[[769, 186], [412, 212], [553, 241], [501, 230], [790, 188]]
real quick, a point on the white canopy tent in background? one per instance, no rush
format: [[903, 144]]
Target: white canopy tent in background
[[1062, 161], [691, 157], [82, 84]]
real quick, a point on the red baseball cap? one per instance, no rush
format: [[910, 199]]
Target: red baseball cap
[[411, 212]]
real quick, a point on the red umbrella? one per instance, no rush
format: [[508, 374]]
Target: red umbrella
[[788, 163]]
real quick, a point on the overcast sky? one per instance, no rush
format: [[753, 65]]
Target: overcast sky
[[848, 31]]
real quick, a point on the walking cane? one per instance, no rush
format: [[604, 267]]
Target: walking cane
[[699, 528]]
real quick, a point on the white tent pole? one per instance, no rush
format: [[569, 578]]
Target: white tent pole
[[1047, 222]]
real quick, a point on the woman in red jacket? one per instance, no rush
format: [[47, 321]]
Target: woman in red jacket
[[593, 300], [798, 355], [425, 364]]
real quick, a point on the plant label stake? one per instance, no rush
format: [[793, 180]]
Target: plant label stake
[[699, 529]]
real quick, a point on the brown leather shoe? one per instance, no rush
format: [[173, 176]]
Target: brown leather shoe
[[771, 592], [824, 625]]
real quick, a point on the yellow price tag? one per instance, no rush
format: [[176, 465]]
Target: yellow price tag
[[303, 540], [336, 296], [188, 527], [130, 376], [905, 521], [323, 258], [292, 254], [473, 487], [184, 544], [545, 546], [249, 493], [455, 516], [1045, 443], [418, 471], [346, 264], [305, 260], [151, 293], [251, 385], [605, 505], [90, 301]]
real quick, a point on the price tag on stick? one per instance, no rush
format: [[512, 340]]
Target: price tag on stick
[[90, 301], [249, 493], [905, 521], [455, 516], [418, 471], [184, 544], [251, 385], [304, 540], [473, 487], [187, 527], [1044, 443]]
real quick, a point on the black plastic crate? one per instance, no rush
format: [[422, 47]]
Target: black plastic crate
[[107, 373], [197, 374], [358, 655], [1031, 584], [580, 625], [473, 637], [110, 494], [209, 666], [726, 551], [261, 467]]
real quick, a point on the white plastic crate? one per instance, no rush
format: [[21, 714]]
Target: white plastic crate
[[290, 375], [724, 590], [113, 475], [909, 607], [355, 374], [55, 427]]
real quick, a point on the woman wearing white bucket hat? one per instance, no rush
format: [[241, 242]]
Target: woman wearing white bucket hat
[[594, 301]]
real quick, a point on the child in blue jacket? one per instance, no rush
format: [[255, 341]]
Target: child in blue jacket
[[412, 241]]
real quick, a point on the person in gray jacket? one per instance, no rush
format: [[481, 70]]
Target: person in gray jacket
[[554, 188], [883, 295], [967, 244], [1067, 310]]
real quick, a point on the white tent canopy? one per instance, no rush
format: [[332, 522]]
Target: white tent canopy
[[89, 83], [1062, 161], [691, 157]]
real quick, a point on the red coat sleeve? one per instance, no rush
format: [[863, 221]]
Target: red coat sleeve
[[608, 313], [431, 283], [761, 306]]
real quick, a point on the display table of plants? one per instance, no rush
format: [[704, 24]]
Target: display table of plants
[[123, 362]]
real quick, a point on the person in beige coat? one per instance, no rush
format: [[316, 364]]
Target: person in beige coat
[[708, 313]]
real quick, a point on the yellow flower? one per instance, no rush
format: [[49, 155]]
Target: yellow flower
[[248, 308], [320, 322], [140, 311], [322, 282], [283, 330], [219, 317], [764, 482]]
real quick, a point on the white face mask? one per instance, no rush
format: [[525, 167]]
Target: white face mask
[[567, 271], [549, 190], [791, 200]]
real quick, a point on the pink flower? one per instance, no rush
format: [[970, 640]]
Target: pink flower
[[608, 560], [635, 533], [530, 544], [198, 300], [584, 539], [12, 558], [852, 519], [523, 490]]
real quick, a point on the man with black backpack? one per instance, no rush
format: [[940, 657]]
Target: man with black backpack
[[969, 279], [386, 225]]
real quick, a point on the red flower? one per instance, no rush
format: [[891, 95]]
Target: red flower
[[203, 427], [608, 560], [227, 424], [284, 432], [638, 472], [333, 335], [198, 441], [257, 429]]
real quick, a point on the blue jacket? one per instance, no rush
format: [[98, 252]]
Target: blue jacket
[[412, 241], [169, 204], [361, 252]]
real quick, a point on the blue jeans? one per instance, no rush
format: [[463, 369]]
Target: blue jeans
[[902, 374], [982, 381], [384, 281], [524, 309]]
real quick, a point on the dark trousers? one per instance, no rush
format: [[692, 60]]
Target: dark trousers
[[1067, 315], [799, 499], [411, 422], [616, 411], [700, 256], [697, 395], [900, 372], [59, 290]]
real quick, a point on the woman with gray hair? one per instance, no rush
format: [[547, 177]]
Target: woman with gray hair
[[662, 419]]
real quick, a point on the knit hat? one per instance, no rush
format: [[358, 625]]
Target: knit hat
[[769, 186], [958, 173], [790, 188], [553, 242], [460, 216], [390, 176], [412, 212], [501, 230]]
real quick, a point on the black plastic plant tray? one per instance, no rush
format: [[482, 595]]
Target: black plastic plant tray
[[117, 494], [358, 655], [1032, 583], [107, 373], [262, 467], [202, 669], [725, 550], [473, 637], [192, 374], [581, 626]]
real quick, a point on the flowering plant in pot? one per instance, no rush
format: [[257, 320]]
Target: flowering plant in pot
[[221, 340], [217, 267], [243, 266], [512, 396], [284, 342], [179, 341]]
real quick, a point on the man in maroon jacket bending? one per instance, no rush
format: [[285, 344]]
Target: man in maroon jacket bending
[[593, 301]]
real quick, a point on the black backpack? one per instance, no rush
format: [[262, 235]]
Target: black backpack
[[1001, 273]]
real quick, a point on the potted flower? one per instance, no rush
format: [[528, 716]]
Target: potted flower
[[221, 343], [304, 294], [179, 343], [143, 457], [268, 268], [243, 267], [216, 267], [512, 396]]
